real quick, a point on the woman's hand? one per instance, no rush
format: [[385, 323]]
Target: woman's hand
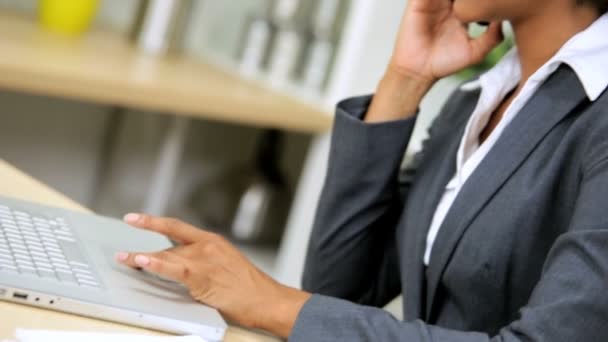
[[218, 275], [432, 43]]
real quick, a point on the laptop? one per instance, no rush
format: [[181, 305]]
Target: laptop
[[64, 260]]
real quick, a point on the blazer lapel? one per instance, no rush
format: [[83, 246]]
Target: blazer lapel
[[553, 101], [414, 241], [438, 171]]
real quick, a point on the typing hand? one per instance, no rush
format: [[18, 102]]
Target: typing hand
[[218, 275]]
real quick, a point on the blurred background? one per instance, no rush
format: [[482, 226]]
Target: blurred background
[[216, 112]]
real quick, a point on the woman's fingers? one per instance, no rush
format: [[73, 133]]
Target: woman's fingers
[[172, 228], [172, 269], [164, 264], [484, 44], [430, 5], [135, 260]]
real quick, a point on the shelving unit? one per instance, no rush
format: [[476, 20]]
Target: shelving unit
[[103, 67]]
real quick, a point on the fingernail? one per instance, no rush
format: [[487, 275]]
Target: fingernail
[[122, 256], [142, 260], [131, 218]]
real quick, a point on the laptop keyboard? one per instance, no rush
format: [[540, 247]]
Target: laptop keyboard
[[43, 247]]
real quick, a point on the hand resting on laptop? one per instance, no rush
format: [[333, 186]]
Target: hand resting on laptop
[[218, 275]]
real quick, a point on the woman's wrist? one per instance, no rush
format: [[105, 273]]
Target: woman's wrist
[[281, 314], [398, 95]]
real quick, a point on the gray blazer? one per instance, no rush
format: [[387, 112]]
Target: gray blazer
[[522, 255]]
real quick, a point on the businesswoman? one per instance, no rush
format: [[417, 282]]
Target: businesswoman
[[498, 231]]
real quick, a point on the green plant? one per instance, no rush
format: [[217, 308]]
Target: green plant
[[491, 60]]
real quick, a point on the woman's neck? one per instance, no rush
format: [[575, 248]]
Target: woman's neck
[[540, 36]]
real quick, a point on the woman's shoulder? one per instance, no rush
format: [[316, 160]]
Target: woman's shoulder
[[591, 121]]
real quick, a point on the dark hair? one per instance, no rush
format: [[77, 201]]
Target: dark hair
[[601, 5]]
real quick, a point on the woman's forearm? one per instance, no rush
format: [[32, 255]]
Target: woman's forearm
[[398, 96]]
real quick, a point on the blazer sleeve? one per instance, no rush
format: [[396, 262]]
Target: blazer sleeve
[[568, 304], [352, 251]]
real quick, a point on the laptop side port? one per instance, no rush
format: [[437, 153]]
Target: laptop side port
[[19, 295]]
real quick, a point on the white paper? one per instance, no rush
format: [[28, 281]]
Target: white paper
[[23, 335]]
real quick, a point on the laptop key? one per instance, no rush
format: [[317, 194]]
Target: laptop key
[[46, 236], [7, 263], [20, 250], [4, 254], [50, 243], [17, 255], [28, 270], [23, 214], [61, 267], [61, 270], [16, 237], [25, 224], [14, 244], [84, 276], [31, 237], [43, 265], [24, 263], [58, 260], [40, 257], [9, 225], [41, 223], [29, 234], [34, 248], [34, 244], [35, 254], [5, 260], [44, 268], [8, 221], [43, 229], [79, 266], [88, 283], [63, 232], [65, 238], [55, 254], [11, 230]]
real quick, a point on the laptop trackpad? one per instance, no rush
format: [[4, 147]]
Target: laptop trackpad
[[121, 278]]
